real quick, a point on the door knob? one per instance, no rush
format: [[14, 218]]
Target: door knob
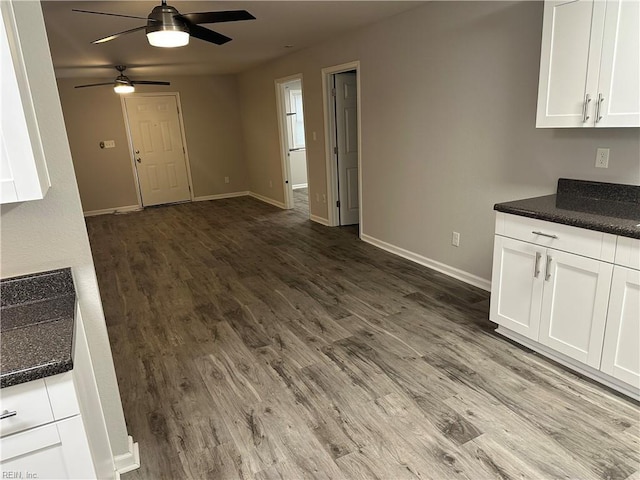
[[137, 152], [139, 160]]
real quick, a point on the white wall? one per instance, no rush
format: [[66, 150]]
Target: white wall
[[50, 233], [448, 126]]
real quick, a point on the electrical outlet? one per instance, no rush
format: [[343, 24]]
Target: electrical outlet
[[455, 239], [108, 144], [602, 158], [226, 179]]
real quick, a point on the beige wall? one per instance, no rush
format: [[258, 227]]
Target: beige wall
[[448, 126], [211, 114], [50, 233]]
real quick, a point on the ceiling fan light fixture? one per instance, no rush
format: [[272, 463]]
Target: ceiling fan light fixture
[[168, 38], [122, 88]]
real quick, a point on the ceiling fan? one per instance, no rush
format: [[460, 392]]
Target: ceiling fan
[[123, 84], [166, 27]]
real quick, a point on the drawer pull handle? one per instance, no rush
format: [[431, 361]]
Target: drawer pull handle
[[547, 270], [7, 414], [536, 269], [542, 234]]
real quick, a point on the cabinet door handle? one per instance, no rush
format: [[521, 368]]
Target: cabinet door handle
[[536, 269], [585, 108], [542, 234], [7, 414], [547, 270], [599, 107]]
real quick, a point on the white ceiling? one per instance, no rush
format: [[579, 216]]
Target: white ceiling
[[297, 23]]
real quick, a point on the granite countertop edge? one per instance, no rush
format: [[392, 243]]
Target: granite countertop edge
[[574, 222], [612, 225], [37, 326], [41, 371]]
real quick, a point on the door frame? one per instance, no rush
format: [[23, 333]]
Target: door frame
[[127, 128], [285, 159], [331, 141]]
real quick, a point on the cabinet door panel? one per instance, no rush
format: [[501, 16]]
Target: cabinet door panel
[[55, 451], [620, 65], [515, 288], [570, 57], [574, 306], [621, 352]]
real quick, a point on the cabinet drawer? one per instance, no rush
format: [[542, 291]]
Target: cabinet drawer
[[628, 252], [580, 241], [30, 401]]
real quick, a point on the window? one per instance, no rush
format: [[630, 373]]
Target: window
[[295, 117]]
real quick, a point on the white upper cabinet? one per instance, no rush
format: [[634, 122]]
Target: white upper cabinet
[[23, 171], [590, 64], [619, 84]]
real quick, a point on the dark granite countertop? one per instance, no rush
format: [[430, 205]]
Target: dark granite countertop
[[36, 326], [604, 207]]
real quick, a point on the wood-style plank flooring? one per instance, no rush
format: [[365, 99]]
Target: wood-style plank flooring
[[250, 342]]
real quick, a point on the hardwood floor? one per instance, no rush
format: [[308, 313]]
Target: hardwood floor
[[250, 342], [301, 201]]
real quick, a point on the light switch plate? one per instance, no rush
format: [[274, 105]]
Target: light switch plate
[[109, 144]]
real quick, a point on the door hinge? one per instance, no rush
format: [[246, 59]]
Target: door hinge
[[333, 92], [338, 204], [335, 150], [183, 150], [178, 110]]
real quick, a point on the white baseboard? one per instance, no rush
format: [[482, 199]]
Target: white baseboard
[[268, 200], [128, 461], [107, 211], [320, 220], [466, 277], [220, 196], [568, 362], [299, 185]]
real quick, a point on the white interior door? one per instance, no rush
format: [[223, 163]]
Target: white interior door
[[347, 143], [159, 152]]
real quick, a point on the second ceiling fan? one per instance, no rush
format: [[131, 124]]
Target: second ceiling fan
[[166, 27]]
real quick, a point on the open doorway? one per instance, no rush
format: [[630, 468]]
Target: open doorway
[[292, 143], [342, 124]]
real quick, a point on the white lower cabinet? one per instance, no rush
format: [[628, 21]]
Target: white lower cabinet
[[517, 286], [621, 355], [553, 297], [43, 434], [56, 451], [580, 309], [574, 305]]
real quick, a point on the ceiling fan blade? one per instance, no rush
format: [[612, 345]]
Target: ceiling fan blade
[[207, 35], [105, 13], [94, 85], [149, 82], [116, 35], [218, 17]]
